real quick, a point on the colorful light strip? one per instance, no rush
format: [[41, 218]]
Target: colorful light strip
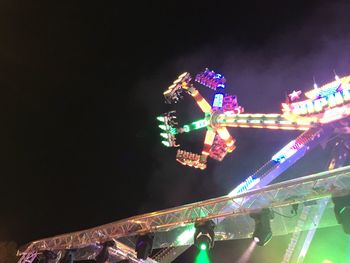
[[268, 121], [211, 79], [331, 95], [247, 184], [208, 141], [287, 151], [314, 93], [193, 126], [326, 104], [191, 159], [218, 100], [202, 103], [225, 135]]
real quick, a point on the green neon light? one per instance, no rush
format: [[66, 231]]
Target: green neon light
[[163, 127], [186, 128], [161, 118], [203, 246], [167, 144], [194, 125], [329, 245], [202, 257], [200, 124], [164, 135]]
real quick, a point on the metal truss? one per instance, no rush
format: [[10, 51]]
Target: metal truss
[[301, 241], [116, 253], [28, 257], [122, 251], [230, 212], [280, 195], [266, 174]]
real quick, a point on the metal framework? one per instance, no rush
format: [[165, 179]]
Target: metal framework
[[119, 252], [300, 242], [28, 257], [168, 222], [173, 228]]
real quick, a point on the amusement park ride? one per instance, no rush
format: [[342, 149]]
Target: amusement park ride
[[254, 208]]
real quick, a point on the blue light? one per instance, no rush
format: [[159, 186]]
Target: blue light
[[218, 100], [326, 93], [287, 151]]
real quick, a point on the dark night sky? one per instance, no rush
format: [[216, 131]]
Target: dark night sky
[[81, 85]]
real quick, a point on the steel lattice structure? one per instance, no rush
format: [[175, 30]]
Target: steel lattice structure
[[278, 196], [173, 228]]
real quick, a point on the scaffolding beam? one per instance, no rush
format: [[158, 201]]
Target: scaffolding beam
[[300, 190]]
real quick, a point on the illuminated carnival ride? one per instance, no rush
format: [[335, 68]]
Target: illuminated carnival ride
[[322, 105], [255, 208]]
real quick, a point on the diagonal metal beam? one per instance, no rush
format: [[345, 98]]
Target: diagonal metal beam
[[312, 187]]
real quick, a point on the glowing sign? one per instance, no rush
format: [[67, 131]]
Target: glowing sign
[[229, 102], [310, 106], [330, 91], [218, 100]]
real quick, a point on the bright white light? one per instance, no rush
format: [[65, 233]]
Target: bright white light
[[256, 239], [164, 135], [186, 236], [286, 152], [163, 127], [245, 257], [246, 185], [167, 144]]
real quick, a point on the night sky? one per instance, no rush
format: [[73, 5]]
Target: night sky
[[81, 85]]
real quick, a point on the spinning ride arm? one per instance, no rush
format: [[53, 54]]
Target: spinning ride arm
[[323, 105], [201, 102], [225, 112], [208, 142], [267, 121]]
